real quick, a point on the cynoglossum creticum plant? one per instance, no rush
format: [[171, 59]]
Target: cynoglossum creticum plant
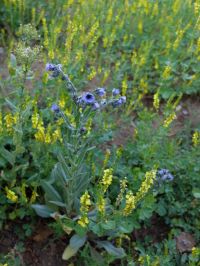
[[72, 174]]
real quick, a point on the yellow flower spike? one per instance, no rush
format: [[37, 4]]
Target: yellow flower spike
[[101, 203], [123, 186], [35, 119], [130, 203], [11, 195], [196, 138], [169, 120], [156, 101], [9, 122], [107, 179], [85, 203], [166, 73]]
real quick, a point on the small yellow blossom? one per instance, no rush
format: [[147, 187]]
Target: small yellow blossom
[[11, 195], [85, 203], [130, 203], [196, 138], [166, 73], [123, 186], [33, 196], [9, 122], [83, 221], [169, 120], [107, 179], [156, 101], [101, 203]]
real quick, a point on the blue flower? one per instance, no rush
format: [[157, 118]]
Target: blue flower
[[50, 67], [165, 174], [118, 102], [55, 108], [115, 92], [95, 106], [100, 92], [88, 98]]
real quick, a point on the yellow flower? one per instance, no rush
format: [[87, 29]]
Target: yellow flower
[[11, 195], [169, 119], [1, 123], [130, 203], [166, 73], [33, 196], [83, 221], [9, 122], [156, 101], [107, 179], [196, 138], [101, 202]]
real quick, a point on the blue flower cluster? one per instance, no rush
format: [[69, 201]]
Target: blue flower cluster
[[164, 175], [87, 98]]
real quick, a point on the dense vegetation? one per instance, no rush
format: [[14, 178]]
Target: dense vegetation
[[100, 131]]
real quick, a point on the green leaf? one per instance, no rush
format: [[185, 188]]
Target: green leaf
[[69, 252], [111, 249], [75, 243], [8, 156], [109, 225], [42, 210], [51, 192], [196, 193]]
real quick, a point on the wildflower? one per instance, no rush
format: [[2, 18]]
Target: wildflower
[[11, 195], [164, 174], [166, 73], [55, 108], [107, 179], [9, 122], [95, 106], [1, 123], [101, 204], [156, 101], [88, 98], [169, 119], [100, 92], [130, 203], [33, 196], [85, 202], [83, 221], [119, 101], [196, 138], [115, 92], [85, 205], [50, 67]]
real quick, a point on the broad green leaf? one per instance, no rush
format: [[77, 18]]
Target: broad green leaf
[[8, 156], [69, 252], [51, 192], [42, 210], [111, 249], [75, 243]]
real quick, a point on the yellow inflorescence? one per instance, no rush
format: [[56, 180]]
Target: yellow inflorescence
[[169, 120], [196, 138], [11, 195], [107, 156], [166, 73], [107, 179], [156, 101], [131, 200], [101, 203], [85, 205]]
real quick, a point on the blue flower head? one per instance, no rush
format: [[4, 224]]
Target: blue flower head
[[95, 106], [88, 98], [55, 108], [115, 92], [100, 92], [165, 175], [119, 102], [50, 67]]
